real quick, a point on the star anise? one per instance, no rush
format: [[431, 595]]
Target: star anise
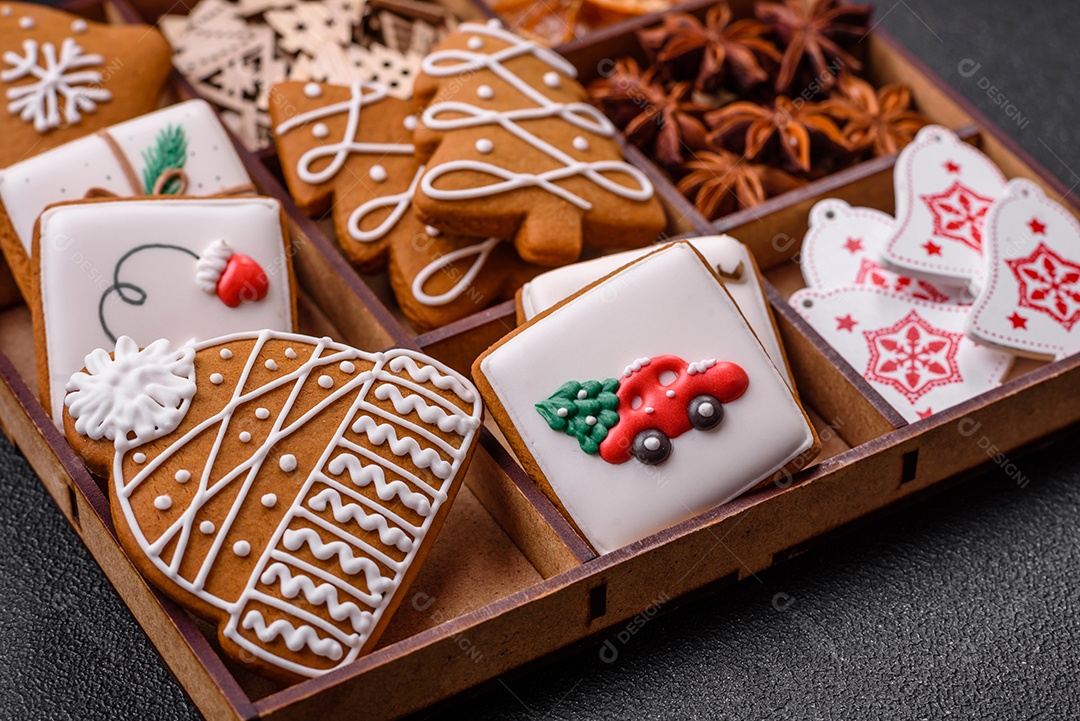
[[720, 182], [880, 120], [663, 121], [783, 134], [819, 36], [714, 51]]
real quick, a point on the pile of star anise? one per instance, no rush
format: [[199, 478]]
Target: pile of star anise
[[741, 110]]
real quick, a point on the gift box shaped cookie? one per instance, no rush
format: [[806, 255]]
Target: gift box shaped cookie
[[285, 487], [644, 399], [183, 269], [179, 150]]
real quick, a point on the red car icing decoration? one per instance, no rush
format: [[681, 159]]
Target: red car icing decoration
[[657, 400]]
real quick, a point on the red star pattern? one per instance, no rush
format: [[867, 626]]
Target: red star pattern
[[846, 323], [932, 248], [925, 414], [1037, 228], [912, 356], [951, 167], [1018, 321], [958, 214], [1049, 284], [853, 245], [870, 273]]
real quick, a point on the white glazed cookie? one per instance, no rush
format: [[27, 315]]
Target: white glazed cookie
[[727, 256], [183, 269], [636, 409], [130, 159], [283, 486]]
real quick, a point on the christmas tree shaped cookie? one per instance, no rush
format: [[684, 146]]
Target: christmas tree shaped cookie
[[63, 77], [286, 488], [514, 150]]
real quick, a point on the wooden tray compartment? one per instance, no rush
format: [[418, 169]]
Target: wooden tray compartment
[[509, 581]]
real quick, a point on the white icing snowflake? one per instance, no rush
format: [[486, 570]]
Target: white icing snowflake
[[58, 77], [142, 392]]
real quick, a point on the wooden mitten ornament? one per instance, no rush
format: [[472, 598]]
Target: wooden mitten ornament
[[285, 487], [514, 150], [1030, 302], [913, 352], [843, 247], [944, 187]]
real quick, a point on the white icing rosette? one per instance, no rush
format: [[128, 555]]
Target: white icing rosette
[[142, 392], [211, 264]]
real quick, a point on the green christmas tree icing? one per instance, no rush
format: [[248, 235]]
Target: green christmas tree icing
[[169, 151], [586, 411]]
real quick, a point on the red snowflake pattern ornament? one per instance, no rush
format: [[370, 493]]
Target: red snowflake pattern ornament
[[871, 273], [913, 357], [1049, 284], [958, 214]]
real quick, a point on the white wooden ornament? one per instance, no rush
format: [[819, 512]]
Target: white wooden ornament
[[1030, 303]]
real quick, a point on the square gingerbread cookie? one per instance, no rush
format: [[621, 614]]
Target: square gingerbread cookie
[[643, 400]]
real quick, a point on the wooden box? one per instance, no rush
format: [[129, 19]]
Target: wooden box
[[509, 581]]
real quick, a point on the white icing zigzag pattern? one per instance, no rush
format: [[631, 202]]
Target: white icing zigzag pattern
[[344, 512], [322, 594], [384, 433], [455, 115], [456, 422], [298, 525]]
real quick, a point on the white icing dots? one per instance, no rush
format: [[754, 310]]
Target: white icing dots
[[313, 90], [347, 367], [139, 458], [78, 25], [562, 413], [27, 23], [182, 476], [377, 173], [582, 394], [5, 11], [484, 92], [245, 437], [590, 420], [432, 231], [580, 143], [269, 500], [241, 548], [262, 414], [207, 527], [290, 354], [326, 382], [475, 43], [217, 379], [552, 79], [163, 502], [287, 463], [319, 130], [485, 146], [225, 354], [670, 394], [410, 122], [271, 364], [652, 443]]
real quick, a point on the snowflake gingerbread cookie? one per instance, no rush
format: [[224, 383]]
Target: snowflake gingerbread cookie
[[285, 487], [514, 150], [62, 76], [651, 426]]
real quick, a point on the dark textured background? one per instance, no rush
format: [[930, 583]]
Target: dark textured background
[[962, 607]]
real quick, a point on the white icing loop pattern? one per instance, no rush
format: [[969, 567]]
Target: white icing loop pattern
[[317, 516], [400, 203], [481, 250], [454, 115]]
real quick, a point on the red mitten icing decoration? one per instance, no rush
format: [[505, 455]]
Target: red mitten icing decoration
[[234, 277]]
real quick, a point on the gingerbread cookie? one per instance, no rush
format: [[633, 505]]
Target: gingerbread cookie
[[644, 399], [731, 260], [183, 269], [285, 487], [351, 148], [514, 150], [63, 77], [181, 149]]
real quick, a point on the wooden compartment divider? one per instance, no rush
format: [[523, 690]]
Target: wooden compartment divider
[[534, 586]]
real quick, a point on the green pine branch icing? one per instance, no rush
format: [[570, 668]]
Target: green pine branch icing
[[169, 151], [569, 409]]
